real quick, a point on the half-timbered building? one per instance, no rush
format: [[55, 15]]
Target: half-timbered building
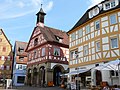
[[5, 58], [95, 38], [48, 54]]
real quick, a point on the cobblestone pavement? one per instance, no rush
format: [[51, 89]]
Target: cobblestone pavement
[[37, 88]]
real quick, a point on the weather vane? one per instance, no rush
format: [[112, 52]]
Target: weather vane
[[41, 5]]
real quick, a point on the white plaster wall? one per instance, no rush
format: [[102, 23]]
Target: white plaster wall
[[106, 76], [105, 24], [104, 18], [104, 40], [106, 47]]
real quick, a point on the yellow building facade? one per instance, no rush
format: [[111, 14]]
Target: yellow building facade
[[5, 57], [95, 38]]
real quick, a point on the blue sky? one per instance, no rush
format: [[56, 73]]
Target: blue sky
[[18, 17]]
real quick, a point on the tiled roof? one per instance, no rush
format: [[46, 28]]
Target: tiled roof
[[21, 45], [50, 34]]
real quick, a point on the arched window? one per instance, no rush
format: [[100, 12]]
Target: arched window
[[36, 42]]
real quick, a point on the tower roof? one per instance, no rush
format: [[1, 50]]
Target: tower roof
[[41, 12]]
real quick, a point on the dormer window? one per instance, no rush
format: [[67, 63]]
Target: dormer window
[[93, 12], [21, 49], [59, 39], [36, 42], [110, 4]]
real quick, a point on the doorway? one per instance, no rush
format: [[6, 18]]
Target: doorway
[[56, 76], [98, 77]]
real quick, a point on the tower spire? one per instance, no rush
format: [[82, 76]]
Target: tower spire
[[40, 16]]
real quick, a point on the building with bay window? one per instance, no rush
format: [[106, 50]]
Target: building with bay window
[[19, 63], [48, 54], [95, 38]]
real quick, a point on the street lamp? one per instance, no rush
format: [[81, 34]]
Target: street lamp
[[78, 84]]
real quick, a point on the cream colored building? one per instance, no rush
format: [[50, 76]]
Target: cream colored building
[[5, 57], [96, 40]]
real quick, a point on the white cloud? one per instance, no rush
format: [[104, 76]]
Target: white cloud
[[17, 8], [49, 6], [94, 2]]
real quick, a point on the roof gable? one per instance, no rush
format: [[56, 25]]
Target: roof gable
[[48, 35], [3, 36]]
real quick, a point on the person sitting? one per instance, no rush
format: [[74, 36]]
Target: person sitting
[[116, 87]]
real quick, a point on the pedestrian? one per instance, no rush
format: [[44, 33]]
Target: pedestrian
[[73, 85], [106, 87]]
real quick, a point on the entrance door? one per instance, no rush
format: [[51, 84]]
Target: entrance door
[[98, 77], [56, 76]]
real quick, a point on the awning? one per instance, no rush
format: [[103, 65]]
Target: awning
[[76, 72]]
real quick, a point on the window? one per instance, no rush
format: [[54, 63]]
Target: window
[[8, 58], [114, 43], [24, 67], [91, 14], [73, 36], [114, 73], [7, 67], [80, 33], [21, 49], [2, 58], [43, 51], [113, 19], [96, 11], [107, 5], [87, 29], [4, 49], [2, 67], [56, 51], [35, 54], [97, 25], [20, 67], [97, 46], [110, 4], [113, 3], [59, 39], [20, 79], [73, 54], [85, 50], [21, 58], [36, 42]]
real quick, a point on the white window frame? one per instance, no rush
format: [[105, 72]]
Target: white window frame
[[86, 50], [113, 17], [73, 36], [96, 23], [114, 42], [43, 52], [111, 4], [7, 67], [87, 29], [2, 67], [57, 50], [3, 58], [80, 33], [97, 47]]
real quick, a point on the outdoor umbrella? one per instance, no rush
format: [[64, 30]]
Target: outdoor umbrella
[[111, 65]]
